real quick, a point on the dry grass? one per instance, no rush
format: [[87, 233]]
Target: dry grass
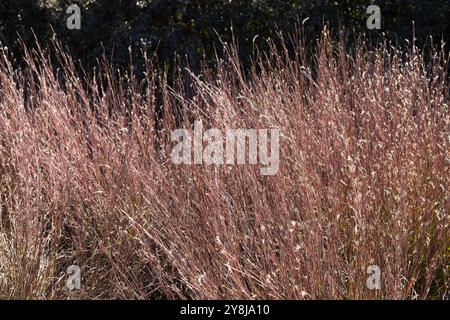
[[86, 179]]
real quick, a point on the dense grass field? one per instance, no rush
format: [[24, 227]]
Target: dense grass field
[[86, 178]]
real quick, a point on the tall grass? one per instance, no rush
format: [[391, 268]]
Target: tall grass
[[86, 179]]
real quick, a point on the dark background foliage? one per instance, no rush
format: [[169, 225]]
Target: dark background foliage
[[191, 28]]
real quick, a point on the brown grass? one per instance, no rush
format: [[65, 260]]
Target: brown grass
[[86, 178]]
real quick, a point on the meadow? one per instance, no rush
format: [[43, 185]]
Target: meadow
[[86, 177]]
